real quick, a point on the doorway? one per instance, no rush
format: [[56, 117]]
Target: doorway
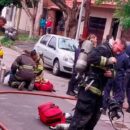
[[59, 15], [97, 26], [114, 27]]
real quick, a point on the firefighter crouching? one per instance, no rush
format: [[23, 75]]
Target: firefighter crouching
[[99, 68], [22, 72], [39, 66]]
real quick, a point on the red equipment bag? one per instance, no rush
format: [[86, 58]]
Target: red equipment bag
[[47, 86], [50, 114]]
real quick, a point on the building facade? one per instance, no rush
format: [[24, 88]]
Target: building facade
[[101, 22]]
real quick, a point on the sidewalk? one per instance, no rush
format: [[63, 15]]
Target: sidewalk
[[9, 56]]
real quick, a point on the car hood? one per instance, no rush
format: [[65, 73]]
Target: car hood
[[66, 53]]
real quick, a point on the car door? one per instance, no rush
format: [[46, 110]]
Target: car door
[[51, 47], [43, 45]]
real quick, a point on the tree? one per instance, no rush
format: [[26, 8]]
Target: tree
[[70, 16], [38, 15], [123, 13], [4, 3], [86, 20], [26, 5]]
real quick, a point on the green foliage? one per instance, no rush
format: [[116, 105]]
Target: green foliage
[[101, 1], [30, 4], [24, 37], [18, 3], [6, 42], [21, 37], [122, 11], [9, 2]]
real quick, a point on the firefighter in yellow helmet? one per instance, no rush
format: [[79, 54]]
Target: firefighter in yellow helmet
[[39, 66], [1, 52]]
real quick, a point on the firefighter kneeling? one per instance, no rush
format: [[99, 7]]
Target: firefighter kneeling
[[23, 72]]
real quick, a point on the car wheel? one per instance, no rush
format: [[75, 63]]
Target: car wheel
[[56, 68]]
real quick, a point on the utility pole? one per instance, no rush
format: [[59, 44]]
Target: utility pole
[[86, 22], [79, 21]]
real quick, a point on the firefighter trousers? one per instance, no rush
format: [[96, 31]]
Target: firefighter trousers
[[87, 111]]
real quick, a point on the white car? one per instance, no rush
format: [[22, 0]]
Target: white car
[[58, 52]]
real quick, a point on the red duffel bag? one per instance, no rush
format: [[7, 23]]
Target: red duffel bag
[[47, 86], [50, 114]]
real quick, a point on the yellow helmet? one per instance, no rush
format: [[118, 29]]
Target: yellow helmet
[[1, 52]]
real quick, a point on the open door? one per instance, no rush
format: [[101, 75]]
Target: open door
[[97, 26], [114, 27], [59, 15]]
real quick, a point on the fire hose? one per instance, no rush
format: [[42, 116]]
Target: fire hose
[[112, 104], [2, 127]]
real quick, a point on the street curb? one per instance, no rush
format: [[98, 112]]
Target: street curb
[[16, 49]]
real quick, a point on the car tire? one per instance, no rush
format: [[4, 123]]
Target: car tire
[[56, 68]]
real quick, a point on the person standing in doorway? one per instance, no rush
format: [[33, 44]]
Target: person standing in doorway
[[61, 26], [49, 25], [42, 26], [2, 23]]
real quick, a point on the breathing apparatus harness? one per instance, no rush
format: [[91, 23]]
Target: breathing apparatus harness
[[115, 112]]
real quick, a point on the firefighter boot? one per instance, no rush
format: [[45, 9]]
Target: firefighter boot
[[21, 86], [31, 86]]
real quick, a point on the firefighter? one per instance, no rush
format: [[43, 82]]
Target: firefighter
[[92, 41], [22, 71], [117, 84], [38, 69], [99, 68], [73, 81], [39, 66], [127, 79]]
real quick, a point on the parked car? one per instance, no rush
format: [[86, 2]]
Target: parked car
[[58, 52]]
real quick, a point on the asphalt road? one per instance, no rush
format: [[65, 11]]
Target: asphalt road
[[19, 112]]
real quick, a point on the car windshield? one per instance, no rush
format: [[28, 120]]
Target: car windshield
[[67, 44]]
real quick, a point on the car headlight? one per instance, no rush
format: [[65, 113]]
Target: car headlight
[[68, 59]]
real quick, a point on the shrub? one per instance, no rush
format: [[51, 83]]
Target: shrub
[[25, 37], [6, 41]]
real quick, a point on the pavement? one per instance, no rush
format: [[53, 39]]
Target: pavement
[[19, 112]]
